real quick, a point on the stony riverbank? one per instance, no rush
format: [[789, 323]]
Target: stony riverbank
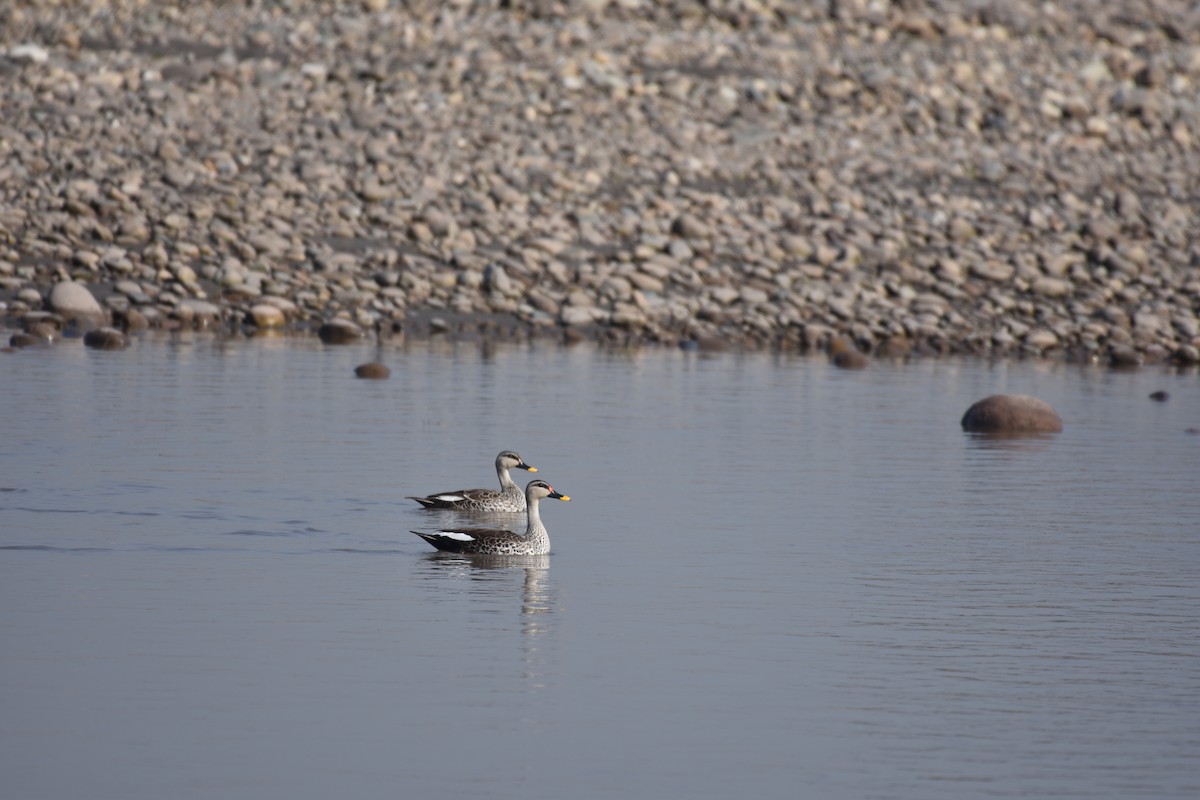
[[1000, 178]]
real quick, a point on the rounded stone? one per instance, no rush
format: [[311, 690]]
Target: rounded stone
[[849, 359], [574, 316], [339, 331], [105, 339], [74, 300], [704, 344], [21, 339], [895, 347], [844, 355], [690, 227], [1011, 413], [262, 315], [132, 321], [35, 318], [1122, 356], [1186, 355], [372, 370], [45, 331]]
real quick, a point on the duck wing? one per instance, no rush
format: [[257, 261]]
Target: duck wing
[[470, 540], [459, 498]]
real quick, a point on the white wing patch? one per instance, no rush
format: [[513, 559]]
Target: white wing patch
[[462, 537], [450, 498]]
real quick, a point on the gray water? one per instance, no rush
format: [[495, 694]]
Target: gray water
[[775, 579]]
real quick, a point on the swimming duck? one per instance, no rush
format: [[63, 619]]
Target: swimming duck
[[509, 498], [498, 541]]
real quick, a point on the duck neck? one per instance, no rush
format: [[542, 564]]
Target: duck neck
[[506, 482], [534, 529]]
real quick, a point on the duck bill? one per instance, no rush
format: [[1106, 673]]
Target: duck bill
[[525, 466], [560, 496]]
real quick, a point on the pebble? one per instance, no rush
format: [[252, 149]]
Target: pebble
[[613, 194], [31, 53]]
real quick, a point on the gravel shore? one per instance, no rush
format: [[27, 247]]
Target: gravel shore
[[987, 177]]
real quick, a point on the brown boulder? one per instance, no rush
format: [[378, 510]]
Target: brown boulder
[[22, 339], [131, 320], [843, 354], [372, 370], [340, 331], [1011, 413], [105, 339]]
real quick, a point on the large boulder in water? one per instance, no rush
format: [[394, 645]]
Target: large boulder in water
[[1011, 413]]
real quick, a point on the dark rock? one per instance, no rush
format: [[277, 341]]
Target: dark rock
[[1186, 355], [1122, 356], [895, 347], [704, 344], [340, 331], [689, 226], [844, 355], [23, 339], [131, 321], [1011, 413], [372, 370], [44, 331], [105, 339], [850, 359]]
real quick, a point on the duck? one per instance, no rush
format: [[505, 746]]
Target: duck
[[499, 541], [509, 498]]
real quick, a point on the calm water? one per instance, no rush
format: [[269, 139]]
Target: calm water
[[775, 579]]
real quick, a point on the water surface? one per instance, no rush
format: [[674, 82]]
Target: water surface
[[774, 578]]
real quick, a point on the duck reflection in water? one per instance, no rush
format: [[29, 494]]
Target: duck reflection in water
[[491, 581]]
